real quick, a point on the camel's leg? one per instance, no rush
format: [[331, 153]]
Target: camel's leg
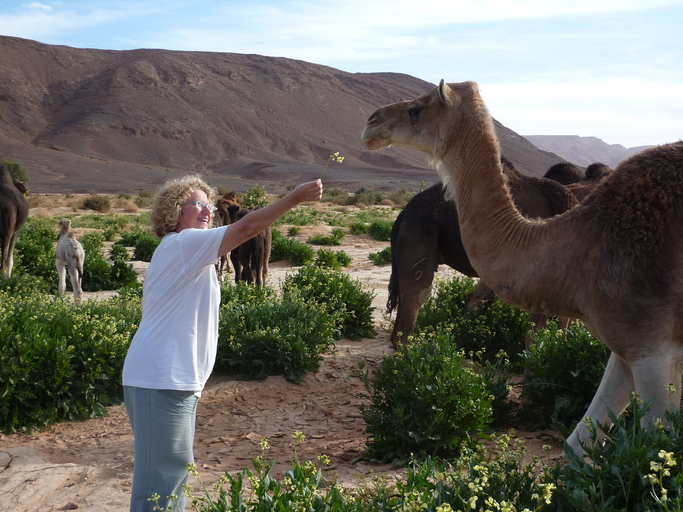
[[10, 254], [75, 276], [61, 273], [614, 393], [5, 255], [413, 293], [659, 377]]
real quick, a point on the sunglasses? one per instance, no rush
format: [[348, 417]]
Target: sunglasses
[[200, 205]]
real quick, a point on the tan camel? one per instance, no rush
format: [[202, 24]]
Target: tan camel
[[13, 214], [615, 261], [69, 253], [426, 234]]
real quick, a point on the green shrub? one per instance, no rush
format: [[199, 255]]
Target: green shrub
[[563, 374], [343, 299], [299, 217], [34, 252], [358, 228], [634, 468], [324, 240], [143, 242], [424, 400], [242, 293], [272, 338], [98, 272], [61, 361], [381, 230], [400, 197], [293, 231], [97, 203], [329, 259], [16, 170], [381, 257], [500, 327], [255, 197], [365, 196], [290, 249]]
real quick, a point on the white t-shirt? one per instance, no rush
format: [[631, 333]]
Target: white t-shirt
[[175, 345]]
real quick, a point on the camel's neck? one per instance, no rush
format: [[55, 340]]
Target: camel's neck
[[501, 244]]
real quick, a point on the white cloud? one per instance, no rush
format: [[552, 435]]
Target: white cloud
[[626, 112]]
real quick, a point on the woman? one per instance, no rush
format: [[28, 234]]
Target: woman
[[174, 349]]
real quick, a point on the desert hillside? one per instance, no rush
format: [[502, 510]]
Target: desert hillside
[[83, 120]]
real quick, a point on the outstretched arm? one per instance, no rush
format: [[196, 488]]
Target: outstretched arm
[[251, 225]]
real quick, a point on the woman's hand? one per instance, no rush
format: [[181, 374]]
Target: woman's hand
[[311, 191]]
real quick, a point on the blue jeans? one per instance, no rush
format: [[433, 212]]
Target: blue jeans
[[163, 423]]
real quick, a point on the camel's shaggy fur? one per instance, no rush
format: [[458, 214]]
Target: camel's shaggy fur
[[221, 217], [427, 233], [565, 173], [250, 260], [69, 253], [615, 261], [13, 214]]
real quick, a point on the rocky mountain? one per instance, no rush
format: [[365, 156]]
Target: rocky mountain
[[83, 120], [583, 151]]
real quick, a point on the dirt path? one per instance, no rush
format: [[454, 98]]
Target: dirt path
[[88, 465]]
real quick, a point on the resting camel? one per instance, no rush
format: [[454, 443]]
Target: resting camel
[[69, 253], [426, 234], [250, 259], [13, 214], [615, 261]]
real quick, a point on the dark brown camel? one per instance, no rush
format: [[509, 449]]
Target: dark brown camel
[[565, 173], [13, 214], [222, 218], [594, 174], [250, 260], [426, 234]]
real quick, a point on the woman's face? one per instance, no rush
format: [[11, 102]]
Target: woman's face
[[193, 215]]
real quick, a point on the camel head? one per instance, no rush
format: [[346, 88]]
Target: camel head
[[428, 123], [64, 226]]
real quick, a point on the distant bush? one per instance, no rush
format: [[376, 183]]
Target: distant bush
[[97, 203], [290, 249], [143, 242], [381, 230], [101, 274], [255, 197], [358, 228], [16, 170], [329, 259], [381, 257]]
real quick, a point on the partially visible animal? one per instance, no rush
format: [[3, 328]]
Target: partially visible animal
[[615, 261], [565, 173], [13, 215], [222, 218], [595, 172], [250, 260], [69, 253], [426, 234]]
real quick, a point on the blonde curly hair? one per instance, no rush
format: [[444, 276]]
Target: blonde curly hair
[[166, 203]]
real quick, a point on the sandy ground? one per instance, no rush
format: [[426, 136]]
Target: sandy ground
[[88, 465]]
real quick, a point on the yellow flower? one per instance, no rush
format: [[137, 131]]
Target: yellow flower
[[335, 157]]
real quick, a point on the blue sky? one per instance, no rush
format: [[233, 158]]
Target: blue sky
[[611, 69]]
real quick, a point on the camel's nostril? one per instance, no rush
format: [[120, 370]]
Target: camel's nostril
[[375, 118]]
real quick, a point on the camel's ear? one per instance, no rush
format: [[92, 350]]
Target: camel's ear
[[448, 95]]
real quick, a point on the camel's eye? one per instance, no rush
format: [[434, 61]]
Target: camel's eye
[[414, 113]]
